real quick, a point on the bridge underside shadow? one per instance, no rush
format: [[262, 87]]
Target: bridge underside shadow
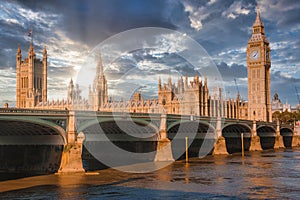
[[118, 143], [232, 134], [267, 137], [287, 135], [201, 139], [27, 147]]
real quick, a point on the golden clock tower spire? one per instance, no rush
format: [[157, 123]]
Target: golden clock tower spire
[[258, 65]]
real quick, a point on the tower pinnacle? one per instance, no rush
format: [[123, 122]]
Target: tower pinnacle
[[31, 47], [31, 51], [258, 30], [99, 70], [258, 21], [45, 51], [19, 49]]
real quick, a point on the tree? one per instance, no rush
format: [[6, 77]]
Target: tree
[[286, 117]]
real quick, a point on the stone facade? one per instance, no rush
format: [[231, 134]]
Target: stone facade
[[259, 64], [31, 83], [98, 94], [193, 98], [187, 98]]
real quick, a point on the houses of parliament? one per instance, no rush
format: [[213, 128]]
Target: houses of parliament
[[187, 97]]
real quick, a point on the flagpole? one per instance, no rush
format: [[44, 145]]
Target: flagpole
[[31, 36]]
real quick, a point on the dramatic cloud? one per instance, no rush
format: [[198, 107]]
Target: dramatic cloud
[[283, 13], [196, 15], [235, 10], [71, 30]]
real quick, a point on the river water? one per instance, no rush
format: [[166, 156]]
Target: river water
[[260, 175]]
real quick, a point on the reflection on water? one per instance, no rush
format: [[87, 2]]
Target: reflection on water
[[260, 175]]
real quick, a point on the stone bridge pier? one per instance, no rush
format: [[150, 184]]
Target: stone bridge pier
[[278, 138], [296, 136], [220, 145], [164, 150], [71, 160], [255, 139]]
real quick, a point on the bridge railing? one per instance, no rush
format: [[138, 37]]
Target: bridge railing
[[116, 114], [23, 111], [20, 111]]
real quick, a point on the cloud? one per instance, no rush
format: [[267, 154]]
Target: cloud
[[211, 2], [229, 73], [171, 43], [235, 10], [196, 15], [92, 21], [283, 13], [284, 56], [222, 28], [7, 86], [13, 21], [285, 85], [64, 54]]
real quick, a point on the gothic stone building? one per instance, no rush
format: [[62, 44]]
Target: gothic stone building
[[186, 97], [98, 94], [31, 87]]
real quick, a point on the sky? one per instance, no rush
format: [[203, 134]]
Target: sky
[[74, 31]]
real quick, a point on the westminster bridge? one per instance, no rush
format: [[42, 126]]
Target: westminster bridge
[[54, 138]]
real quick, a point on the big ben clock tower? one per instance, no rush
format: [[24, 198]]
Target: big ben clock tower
[[258, 65]]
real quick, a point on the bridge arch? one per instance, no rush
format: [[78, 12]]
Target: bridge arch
[[118, 142], [98, 121], [286, 131], [31, 131], [235, 130], [267, 136], [130, 128], [30, 145], [185, 124], [287, 134], [232, 134], [201, 138], [266, 131]]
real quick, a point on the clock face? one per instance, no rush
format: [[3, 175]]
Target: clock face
[[254, 55]]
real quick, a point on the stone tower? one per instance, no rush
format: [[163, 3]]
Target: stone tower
[[74, 93], [258, 65], [185, 98], [98, 94], [31, 78]]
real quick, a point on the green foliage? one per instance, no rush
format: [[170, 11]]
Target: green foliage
[[286, 117]]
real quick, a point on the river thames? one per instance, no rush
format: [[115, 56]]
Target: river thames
[[260, 175]]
